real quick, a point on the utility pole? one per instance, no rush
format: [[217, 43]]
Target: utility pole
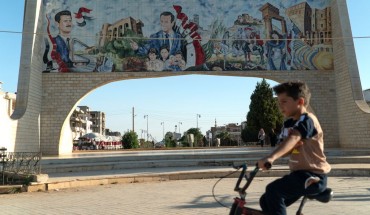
[[147, 129], [198, 116], [196, 137], [180, 123], [162, 123], [133, 119]]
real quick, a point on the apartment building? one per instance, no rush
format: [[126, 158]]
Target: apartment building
[[233, 129], [98, 122], [367, 96], [7, 125]]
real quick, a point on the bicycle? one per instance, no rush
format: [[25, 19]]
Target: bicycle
[[238, 207]]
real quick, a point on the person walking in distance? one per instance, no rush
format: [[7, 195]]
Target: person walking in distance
[[261, 137]]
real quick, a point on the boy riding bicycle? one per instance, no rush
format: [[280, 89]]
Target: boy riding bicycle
[[301, 139]]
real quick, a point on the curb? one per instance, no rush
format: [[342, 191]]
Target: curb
[[184, 175]]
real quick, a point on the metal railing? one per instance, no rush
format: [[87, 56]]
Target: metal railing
[[20, 163]]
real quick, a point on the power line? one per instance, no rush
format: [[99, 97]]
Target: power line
[[143, 38]]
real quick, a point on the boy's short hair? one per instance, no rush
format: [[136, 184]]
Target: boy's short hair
[[294, 89]]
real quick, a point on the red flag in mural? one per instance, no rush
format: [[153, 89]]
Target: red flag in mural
[[82, 15], [194, 49]]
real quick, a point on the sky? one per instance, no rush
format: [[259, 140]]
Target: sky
[[180, 102]]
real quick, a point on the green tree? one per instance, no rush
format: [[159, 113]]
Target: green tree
[[130, 140], [263, 112], [169, 140], [226, 139], [184, 140]]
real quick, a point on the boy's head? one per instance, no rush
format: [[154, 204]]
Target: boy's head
[[292, 96]]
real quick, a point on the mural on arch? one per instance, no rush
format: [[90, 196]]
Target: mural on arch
[[177, 35]]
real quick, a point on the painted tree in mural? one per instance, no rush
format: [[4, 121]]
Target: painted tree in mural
[[263, 112]]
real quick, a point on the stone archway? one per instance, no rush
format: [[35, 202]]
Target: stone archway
[[45, 100], [55, 135]]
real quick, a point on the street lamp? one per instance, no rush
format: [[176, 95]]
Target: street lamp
[[133, 119], [175, 128], [147, 129], [162, 123], [198, 116], [180, 123]]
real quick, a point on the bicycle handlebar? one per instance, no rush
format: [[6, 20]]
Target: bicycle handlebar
[[249, 179], [268, 165]]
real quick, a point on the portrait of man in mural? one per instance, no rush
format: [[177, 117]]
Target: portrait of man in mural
[[63, 39], [60, 50], [167, 36]]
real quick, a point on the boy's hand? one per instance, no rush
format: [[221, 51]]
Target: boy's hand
[[262, 163]]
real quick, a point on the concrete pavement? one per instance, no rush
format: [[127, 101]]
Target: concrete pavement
[[352, 196], [179, 189]]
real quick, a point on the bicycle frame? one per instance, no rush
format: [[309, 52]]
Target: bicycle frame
[[238, 206]]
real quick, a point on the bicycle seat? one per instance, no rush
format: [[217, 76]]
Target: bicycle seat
[[324, 197]]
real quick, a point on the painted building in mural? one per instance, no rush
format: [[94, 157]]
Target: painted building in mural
[[160, 35]]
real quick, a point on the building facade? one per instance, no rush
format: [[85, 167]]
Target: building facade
[[367, 96], [98, 122], [234, 130], [8, 127], [117, 30]]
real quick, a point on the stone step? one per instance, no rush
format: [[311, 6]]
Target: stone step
[[99, 161], [129, 164], [348, 155]]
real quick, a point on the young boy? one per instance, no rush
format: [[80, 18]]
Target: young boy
[[302, 140]]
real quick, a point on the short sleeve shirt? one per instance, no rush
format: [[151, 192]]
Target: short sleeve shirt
[[309, 155]]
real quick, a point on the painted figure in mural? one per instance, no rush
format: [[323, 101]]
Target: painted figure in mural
[[63, 39], [60, 50], [177, 62], [166, 36], [165, 57], [221, 50], [258, 46], [238, 45], [276, 52], [153, 63], [253, 45]]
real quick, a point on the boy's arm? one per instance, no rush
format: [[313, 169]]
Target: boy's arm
[[283, 149]]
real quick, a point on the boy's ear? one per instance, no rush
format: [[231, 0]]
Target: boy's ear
[[301, 101]]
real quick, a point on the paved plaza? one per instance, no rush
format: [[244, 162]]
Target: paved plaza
[[352, 196]]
